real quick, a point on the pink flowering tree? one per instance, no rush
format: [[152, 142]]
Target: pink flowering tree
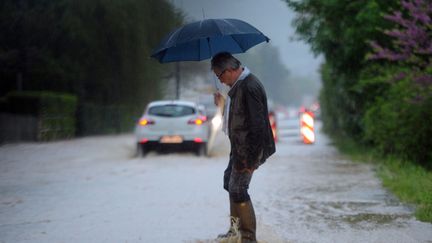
[[411, 45], [398, 117]]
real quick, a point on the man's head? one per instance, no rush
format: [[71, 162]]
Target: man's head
[[226, 68]]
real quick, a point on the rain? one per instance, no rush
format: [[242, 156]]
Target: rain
[[103, 141]]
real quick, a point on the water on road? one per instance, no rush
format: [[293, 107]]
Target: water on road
[[95, 190]]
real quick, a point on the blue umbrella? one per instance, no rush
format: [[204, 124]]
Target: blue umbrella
[[203, 39]]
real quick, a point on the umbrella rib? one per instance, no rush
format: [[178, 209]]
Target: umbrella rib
[[238, 44], [228, 23], [174, 35], [210, 47], [217, 26]]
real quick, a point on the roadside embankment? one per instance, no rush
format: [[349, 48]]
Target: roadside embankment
[[411, 183]]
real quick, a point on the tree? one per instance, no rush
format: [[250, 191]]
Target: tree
[[97, 50], [404, 67], [411, 45], [377, 93], [340, 30]]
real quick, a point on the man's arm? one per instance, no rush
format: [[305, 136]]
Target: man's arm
[[254, 99]]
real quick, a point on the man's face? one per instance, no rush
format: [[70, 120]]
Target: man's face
[[224, 76]]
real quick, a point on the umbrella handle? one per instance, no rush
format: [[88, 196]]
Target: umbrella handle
[[215, 83]]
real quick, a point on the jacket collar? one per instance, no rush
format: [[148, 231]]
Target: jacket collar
[[245, 73]]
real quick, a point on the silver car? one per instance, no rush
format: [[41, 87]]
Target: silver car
[[172, 124]]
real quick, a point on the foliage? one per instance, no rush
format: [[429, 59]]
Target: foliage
[[411, 44], [96, 49], [398, 122], [396, 125], [55, 112], [98, 119], [340, 30], [341, 107], [377, 93], [411, 183]]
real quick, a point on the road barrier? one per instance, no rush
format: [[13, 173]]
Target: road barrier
[[307, 127]]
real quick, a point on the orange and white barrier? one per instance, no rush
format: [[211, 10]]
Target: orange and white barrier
[[272, 119], [307, 127]]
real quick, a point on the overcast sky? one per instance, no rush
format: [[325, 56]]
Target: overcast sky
[[272, 17]]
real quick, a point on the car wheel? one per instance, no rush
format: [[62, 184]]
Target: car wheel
[[141, 150], [202, 149]]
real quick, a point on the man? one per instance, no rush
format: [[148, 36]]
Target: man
[[250, 136]]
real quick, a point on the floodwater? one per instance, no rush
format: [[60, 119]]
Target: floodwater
[[310, 193], [94, 190]]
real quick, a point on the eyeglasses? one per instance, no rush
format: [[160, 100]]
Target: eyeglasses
[[220, 74]]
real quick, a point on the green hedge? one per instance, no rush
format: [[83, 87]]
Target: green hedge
[[105, 119], [398, 122], [55, 112]]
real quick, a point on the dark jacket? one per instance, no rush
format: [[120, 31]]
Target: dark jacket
[[248, 124]]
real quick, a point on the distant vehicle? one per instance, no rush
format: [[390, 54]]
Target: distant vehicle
[[172, 123], [207, 102]]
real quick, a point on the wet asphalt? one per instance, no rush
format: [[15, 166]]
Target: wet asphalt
[[95, 190]]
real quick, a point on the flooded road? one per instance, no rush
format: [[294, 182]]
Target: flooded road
[[310, 193], [94, 190]]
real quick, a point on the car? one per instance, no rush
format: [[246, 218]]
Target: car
[[172, 124]]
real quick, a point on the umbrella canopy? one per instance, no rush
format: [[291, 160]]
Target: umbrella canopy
[[203, 39]]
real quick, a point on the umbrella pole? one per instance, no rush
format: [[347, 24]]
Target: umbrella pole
[[215, 84], [177, 77]]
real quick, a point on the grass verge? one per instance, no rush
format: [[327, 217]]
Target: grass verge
[[411, 183]]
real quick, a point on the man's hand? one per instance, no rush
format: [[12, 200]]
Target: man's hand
[[218, 99]]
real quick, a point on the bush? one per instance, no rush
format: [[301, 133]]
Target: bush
[[399, 124], [98, 119], [55, 112]]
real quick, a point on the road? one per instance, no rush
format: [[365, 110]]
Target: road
[[95, 190]]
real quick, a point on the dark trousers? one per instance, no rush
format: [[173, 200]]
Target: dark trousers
[[237, 182]]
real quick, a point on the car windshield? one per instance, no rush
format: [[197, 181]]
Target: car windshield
[[171, 110]]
